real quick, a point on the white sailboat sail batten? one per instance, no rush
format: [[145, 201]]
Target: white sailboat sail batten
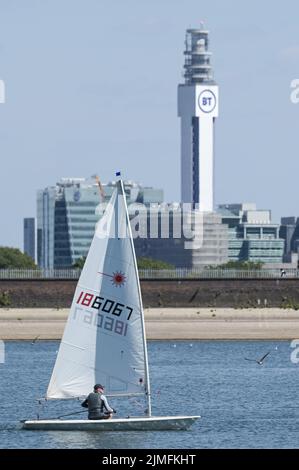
[[104, 340]]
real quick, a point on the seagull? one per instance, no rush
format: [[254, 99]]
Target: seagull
[[35, 339], [259, 361]]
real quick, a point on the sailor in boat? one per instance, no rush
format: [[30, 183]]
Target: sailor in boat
[[96, 402]]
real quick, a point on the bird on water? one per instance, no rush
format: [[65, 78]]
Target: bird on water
[[34, 340], [259, 361]]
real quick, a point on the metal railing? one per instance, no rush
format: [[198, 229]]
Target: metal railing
[[217, 273], [39, 273], [179, 273]]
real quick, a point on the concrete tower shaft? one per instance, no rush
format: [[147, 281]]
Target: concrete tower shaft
[[197, 108]]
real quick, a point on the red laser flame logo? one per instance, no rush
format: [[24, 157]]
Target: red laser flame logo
[[118, 279]]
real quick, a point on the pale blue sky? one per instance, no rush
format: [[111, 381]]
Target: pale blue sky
[[91, 87]]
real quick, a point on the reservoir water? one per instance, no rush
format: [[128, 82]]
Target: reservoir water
[[242, 404]]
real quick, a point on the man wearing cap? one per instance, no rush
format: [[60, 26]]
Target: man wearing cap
[[96, 402]]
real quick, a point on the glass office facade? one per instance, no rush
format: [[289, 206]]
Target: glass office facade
[[67, 215], [252, 235], [29, 236]]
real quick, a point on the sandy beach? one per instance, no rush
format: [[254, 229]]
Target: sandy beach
[[165, 323]]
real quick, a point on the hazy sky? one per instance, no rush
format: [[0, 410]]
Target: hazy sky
[[91, 87]]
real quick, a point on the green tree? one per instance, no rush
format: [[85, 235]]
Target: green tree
[[149, 263], [242, 265], [14, 258], [143, 263], [79, 263]]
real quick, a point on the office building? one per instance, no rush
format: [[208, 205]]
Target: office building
[[68, 212], [184, 243], [289, 232], [29, 236], [252, 234]]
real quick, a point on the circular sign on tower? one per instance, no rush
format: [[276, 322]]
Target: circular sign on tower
[[207, 101]]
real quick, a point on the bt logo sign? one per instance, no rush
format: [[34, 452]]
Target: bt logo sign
[[207, 101]]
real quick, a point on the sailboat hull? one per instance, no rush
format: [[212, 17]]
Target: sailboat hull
[[165, 423]]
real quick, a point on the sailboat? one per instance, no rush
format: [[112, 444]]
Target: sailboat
[[104, 338]]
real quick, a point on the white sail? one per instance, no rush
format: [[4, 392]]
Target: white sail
[[104, 340]]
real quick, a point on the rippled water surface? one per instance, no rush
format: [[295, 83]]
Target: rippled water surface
[[242, 404]]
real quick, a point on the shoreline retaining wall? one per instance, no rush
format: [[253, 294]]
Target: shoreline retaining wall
[[184, 293]]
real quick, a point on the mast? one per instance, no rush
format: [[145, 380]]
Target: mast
[[120, 187], [95, 341]]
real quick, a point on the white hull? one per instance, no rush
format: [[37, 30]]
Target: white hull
[[165, 423]]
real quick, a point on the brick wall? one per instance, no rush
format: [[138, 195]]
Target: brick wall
[[162, 293]]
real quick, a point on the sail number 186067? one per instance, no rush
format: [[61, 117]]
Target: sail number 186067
[[104, 305]]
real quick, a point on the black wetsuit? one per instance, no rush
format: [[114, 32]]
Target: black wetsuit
[[96, 403]]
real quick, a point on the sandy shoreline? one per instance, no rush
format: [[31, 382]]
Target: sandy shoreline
[[165, 323]]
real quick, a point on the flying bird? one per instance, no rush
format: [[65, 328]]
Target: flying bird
[[259, 361], [34, 340]]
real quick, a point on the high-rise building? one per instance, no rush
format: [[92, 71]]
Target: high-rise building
[[289, 232], [252, 234], [198, 109], [185, 244], [68, 212], [29, 236]]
